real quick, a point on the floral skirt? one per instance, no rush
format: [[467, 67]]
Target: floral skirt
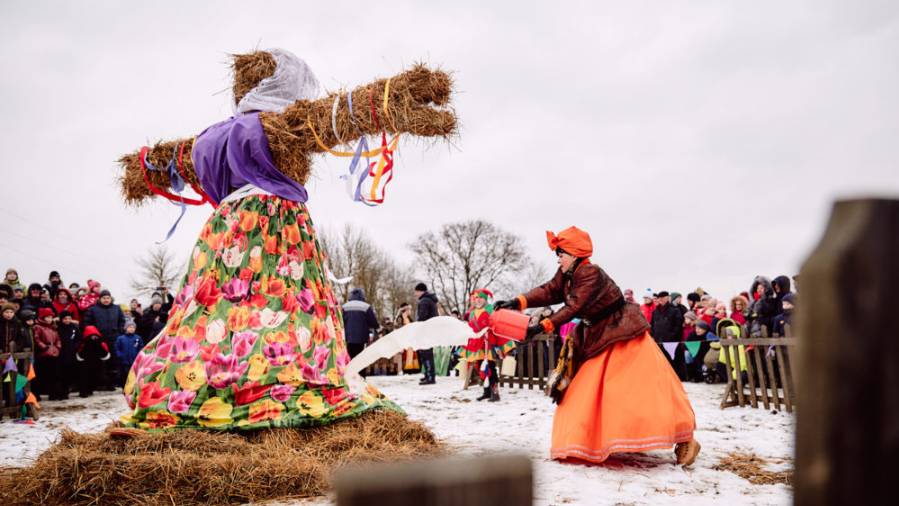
[[255, 336]]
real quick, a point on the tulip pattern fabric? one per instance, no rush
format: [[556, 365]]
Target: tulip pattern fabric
[[255, 337]]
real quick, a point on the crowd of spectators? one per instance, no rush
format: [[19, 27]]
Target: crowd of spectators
[[82, 340]]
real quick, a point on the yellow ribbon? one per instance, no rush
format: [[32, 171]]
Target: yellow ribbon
[[379, 171], [386, 113], [345, 154]]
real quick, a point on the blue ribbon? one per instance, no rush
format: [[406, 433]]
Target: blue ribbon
[[360, 147], [176, 182]]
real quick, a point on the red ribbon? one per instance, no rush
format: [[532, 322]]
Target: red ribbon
[[163, 193]]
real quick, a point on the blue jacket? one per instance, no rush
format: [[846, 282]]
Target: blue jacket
[[127, 347], [358, 318]]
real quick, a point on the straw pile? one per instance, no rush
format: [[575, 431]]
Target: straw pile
[[751, 467], [198, 467], [418, 101]]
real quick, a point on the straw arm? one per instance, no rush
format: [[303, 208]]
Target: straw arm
[[134, 188], [415, 105]]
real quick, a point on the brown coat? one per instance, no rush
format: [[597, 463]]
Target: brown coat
[[586, 293]]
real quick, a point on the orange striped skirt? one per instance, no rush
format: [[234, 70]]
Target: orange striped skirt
[[627, 399]]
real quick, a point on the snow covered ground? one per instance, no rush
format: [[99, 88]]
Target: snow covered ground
[[521, 423]]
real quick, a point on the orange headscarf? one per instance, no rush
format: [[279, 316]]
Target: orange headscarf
[[573, 240]]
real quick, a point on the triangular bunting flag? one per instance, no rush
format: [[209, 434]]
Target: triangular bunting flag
[[693, 347], [31, 400], [31, 374], [10, 365], [7, 378], [670, 348], [20, 382]]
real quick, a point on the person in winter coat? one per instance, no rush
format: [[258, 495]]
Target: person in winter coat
[[648, 305], [612, 384], [784, 319], [668, 327], [47, 347], [127, 346], [54, 283], [91, 297], [427, 309], [13, 334], [33, 300], [12, 279], [90, 357], [739, 309], [689, 323], [763, 308], [693, 299], [109, 319], [70, 337], [698, 332], [153, 320], [359, 322], [64, 302], [677, 300], [781, 285]]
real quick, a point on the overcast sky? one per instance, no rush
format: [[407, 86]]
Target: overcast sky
[[700, 143]]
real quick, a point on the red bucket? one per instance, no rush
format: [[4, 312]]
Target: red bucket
[[509, 324]]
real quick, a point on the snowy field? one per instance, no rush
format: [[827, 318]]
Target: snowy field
[[521, 422]]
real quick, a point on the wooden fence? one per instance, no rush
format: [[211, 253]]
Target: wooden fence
[[769, 372], [534, 361], [8, 389]]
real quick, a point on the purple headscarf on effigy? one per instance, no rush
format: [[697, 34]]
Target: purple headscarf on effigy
[[233, 153]]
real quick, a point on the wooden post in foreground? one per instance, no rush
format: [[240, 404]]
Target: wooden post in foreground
[[847, 434], [472, 481]]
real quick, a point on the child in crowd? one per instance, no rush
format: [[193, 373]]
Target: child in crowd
[[739, 309], [786, 318], [127, 346], [70, 337], [689, 324], [91, 354], [46, 356], [13, 334]]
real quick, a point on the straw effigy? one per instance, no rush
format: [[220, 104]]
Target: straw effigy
[[417, 105], [208, 467], [203, 467]]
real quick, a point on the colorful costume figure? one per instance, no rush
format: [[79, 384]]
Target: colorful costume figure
[[255, 336], [615, 389], [488, 349]]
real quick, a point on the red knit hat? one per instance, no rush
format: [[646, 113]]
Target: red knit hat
[[44, 312]]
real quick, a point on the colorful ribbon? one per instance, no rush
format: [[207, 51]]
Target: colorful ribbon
[[176, 182]]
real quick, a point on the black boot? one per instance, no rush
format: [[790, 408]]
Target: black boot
[[485, 395], [494, 393]]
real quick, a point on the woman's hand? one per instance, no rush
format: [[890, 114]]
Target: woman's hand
[[514, 304]]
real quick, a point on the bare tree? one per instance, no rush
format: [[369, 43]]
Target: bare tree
[[468, 255], [531, 276], [352, 253], [158, 268]]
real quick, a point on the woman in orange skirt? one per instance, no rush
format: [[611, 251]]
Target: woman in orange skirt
[[615, 389]]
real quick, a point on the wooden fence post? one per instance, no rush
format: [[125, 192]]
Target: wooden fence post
[[847, 434], [471, 481]]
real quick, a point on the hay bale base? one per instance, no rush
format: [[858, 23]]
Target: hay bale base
[[751, 468], [199, 467]]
